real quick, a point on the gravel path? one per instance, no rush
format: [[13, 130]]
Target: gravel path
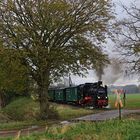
[[106, 115]]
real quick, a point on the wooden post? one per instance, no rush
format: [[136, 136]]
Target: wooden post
[[120, 115], [124, 97]]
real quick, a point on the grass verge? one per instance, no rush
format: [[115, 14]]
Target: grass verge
[[108, 130], [24, 111], [67, 112]]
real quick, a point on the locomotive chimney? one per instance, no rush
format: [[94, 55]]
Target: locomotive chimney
[[99, 72], [99, 83]]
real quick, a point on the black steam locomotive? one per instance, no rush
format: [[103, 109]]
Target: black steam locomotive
[[88, 94]]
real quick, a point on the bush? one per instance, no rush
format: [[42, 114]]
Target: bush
[[21, 109], [27, 109], [4, 118]]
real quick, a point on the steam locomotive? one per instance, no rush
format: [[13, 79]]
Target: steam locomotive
[[88, 94]]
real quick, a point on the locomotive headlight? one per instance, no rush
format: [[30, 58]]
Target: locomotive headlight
[[98, 97], [106, 97]]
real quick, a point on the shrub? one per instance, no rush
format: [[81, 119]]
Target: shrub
[[21, 109]]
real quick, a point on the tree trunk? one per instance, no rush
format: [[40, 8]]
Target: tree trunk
[[2, 100], [44, 103], [43, 95]]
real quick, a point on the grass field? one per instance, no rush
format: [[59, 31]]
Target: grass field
[[69, 112], [108, 130], [132, 101], [23, 113], [24, 110]]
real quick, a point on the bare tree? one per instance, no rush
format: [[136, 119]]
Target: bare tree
[[129, 36]]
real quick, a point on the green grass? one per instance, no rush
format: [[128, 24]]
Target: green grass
[[20, 124], [24, 111], [132, 101], [108, 130], [68, 112], [21, 109]]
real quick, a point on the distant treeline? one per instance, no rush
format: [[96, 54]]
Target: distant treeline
[[128, 88]]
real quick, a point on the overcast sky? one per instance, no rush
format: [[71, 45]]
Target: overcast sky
[[91, 77]]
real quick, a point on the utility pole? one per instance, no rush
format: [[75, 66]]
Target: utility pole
[[70, 81], [124, 97]]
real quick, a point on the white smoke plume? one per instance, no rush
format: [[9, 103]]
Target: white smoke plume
[[113, 72]]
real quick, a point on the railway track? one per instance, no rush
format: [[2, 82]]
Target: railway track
[[22, 132]]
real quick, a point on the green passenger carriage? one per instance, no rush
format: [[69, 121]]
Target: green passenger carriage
[[73, 94], [59, 95], [88, 94]]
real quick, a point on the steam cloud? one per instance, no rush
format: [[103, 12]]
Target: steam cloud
[[111, 73]]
